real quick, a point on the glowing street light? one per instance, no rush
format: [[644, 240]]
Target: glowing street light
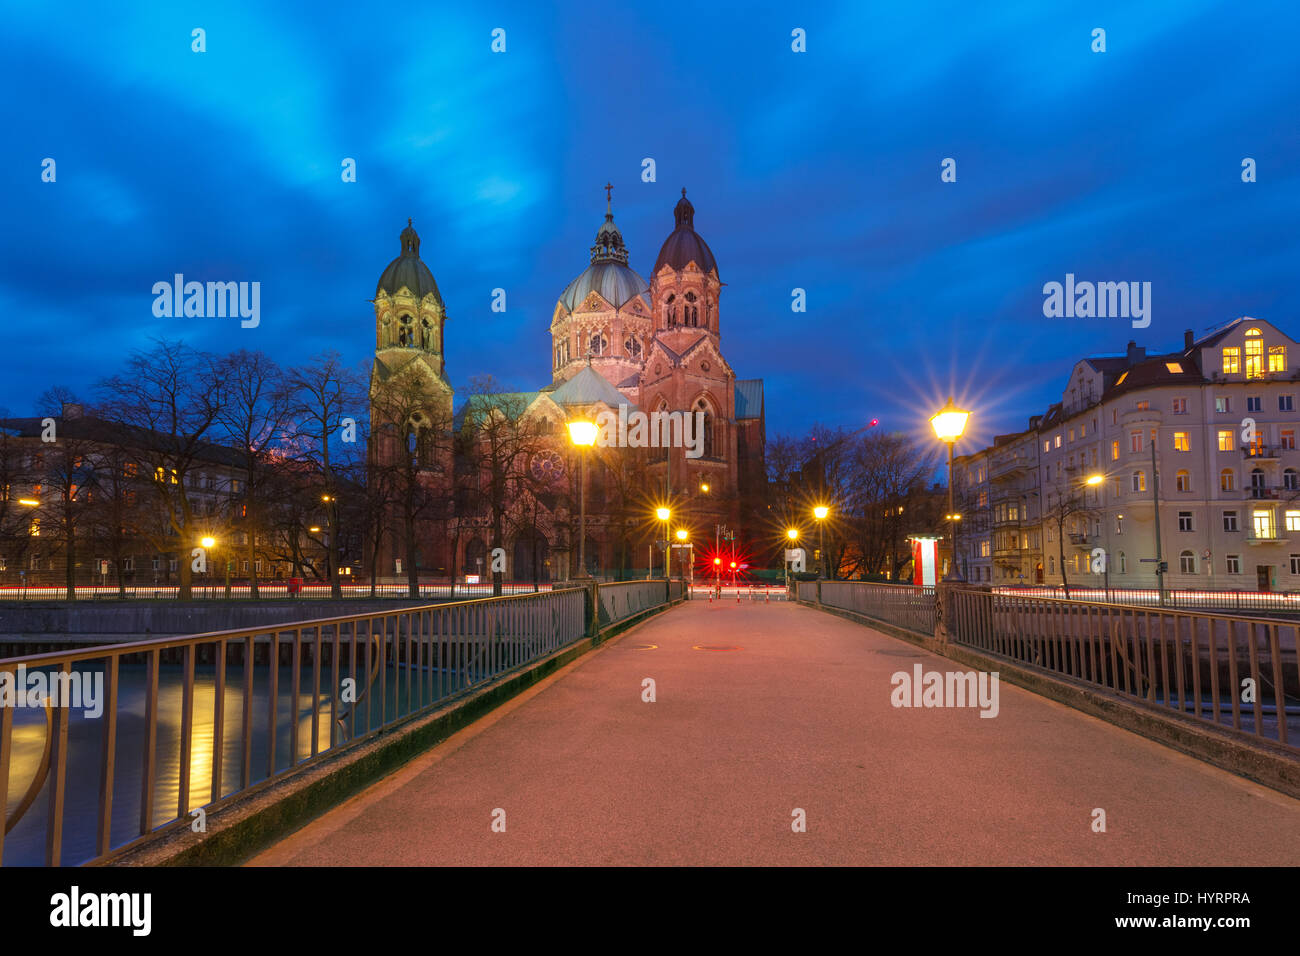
[[821, 511], [704, 487], [208, 542], [1095, 479], [948, 423], [583, 436]]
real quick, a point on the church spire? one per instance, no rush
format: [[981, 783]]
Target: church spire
[[609, 245]]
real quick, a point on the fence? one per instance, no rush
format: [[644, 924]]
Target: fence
[[189, 723], [277, 590], [1174, 597], [620, 601], [1192, 662], [899, 604]]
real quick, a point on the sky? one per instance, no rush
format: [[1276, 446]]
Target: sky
[[817, 170]]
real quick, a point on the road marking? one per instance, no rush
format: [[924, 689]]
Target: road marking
[[714, 647]]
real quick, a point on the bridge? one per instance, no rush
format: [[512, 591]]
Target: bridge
[[611, 724]]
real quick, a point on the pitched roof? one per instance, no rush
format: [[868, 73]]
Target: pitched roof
[[749, 398]]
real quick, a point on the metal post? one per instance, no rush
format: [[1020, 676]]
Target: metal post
[[1155, 497], [582, 515]]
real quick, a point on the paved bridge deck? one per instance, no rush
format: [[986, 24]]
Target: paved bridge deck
[[798, 716]]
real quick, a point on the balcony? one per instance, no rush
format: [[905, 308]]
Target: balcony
[[1080, 540], [1011, 469], [1141, 416], [1261, 452], [1270, 492]]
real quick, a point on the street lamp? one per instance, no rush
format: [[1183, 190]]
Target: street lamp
[[683, 536], [1095, 480], [208, 542], [583, 435], [663, 514], [792, 535], [948, 423], [820, 512]]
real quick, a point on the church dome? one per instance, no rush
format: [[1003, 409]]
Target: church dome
[[684, 244], [609, 274], [409, 270]]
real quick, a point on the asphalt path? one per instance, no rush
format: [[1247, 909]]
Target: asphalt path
[[765, 710]]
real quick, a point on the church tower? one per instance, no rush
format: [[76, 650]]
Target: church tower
[[410, 395]]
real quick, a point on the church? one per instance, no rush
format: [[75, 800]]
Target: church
[[493, 470]]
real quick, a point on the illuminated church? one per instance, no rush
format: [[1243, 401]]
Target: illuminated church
[[507, 477]]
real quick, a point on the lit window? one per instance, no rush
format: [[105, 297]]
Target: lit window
[[1071, 434], [1174, 367], [1226, 440], [1286, 438], [1120, 380], [1181, 442], [1144, 405], [1227, 480], [1139, 481], [1277, 358], [1222, 404], [1058, 441], [1047, 445], [1231, 360], [1293, 520], [1254, 354], [1263, 523], [1184, 481], [1114, 451]]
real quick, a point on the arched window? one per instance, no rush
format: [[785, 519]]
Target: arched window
[[1257, 483], [1123, 563], [632, 346], [1227, 480], [426, 334], [691, 311], [703, 407], [405, 332], [1290, 480], [598, 344], [1183, 481], [1254, 354], [1187, 563], [670, 310]]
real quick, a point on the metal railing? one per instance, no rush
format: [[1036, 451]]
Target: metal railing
[[620, 601], [1227, 671], [903, 605], [1174, 597], [188, 723], [274, 590]]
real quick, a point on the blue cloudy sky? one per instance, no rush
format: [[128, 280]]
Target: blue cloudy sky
[[817, 170]]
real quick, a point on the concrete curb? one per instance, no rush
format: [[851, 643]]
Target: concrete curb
[[249, 824], [1258, 761]]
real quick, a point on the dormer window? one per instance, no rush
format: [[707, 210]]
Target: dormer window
[[1254, 354]]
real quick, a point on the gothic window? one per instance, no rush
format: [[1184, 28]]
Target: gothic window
[[598, 344], [702, 406], [670, 310], [632, 346], [690, 311]]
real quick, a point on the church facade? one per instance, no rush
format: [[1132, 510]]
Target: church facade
[[495, 470]]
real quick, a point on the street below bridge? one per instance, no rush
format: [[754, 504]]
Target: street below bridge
[[760, 711]]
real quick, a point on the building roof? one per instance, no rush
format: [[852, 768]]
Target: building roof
[[515, 402], [587, 388], [684, 245], [615, 282], [408, 270], [90, 428], [749, 398]]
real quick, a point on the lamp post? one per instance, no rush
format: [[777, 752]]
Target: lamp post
[[1098, 481], [663, 514], [583, 435], [683, 536], [820, 512], [948, 423], [209, 543], [792, 535]]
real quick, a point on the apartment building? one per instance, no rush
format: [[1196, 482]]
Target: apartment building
[[1202, 439]]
